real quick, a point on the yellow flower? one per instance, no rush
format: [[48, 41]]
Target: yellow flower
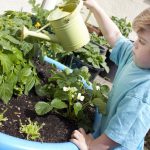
[[37, 25]]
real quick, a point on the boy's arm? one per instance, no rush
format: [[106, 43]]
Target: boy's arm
[[107, 27], [102, 143]]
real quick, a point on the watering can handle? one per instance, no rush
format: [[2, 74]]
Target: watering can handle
[[79, 8], [89, 14]]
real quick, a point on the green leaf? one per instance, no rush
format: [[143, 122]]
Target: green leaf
[[41, 90], [5, 62], [104, 65], [12, 39], [6, 91], [30, 83], [100, 104], [105, 89], [90, 60], [18, 54], [1, 79], [26, 47], [43, 108], [5, 44], [61, 95], [57, 103], [77, 107], [26, 71], [12, 78]]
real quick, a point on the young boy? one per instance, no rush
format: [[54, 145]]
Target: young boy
[[128, 109]]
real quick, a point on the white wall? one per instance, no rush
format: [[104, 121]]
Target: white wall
[[122, 8], [16, 5]]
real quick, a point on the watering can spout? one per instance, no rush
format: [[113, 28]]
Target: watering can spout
[[26, 33]]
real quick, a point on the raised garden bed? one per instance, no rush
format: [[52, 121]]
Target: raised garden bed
[[56, 129]]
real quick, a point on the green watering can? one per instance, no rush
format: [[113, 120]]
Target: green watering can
[[68, 26]]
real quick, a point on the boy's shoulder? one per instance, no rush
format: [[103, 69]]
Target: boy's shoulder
[[122, 51], [141, 91]]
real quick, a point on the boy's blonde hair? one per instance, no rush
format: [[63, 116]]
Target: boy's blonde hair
[[142, 21]]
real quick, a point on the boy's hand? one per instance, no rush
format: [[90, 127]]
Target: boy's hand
[[81, 139], [91, 4]]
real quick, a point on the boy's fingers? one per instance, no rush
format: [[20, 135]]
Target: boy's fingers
[[76, 134], [82, 131]]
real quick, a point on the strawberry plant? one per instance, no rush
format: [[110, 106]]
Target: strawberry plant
[[67, 95]]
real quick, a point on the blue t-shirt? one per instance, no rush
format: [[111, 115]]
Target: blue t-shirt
[[128, 109]]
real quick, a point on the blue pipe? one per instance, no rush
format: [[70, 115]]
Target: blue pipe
[[8, 142], [62, 67], [56, 63]]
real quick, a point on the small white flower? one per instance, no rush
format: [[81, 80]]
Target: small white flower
[[97, 88], [72, 96], [65, 89], [80, 97]]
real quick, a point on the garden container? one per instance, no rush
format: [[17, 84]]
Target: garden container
[[12, 143]]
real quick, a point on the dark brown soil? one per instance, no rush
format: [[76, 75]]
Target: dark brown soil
[[56, 128], [147, 141], [43, 70]]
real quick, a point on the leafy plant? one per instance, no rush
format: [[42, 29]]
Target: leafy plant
[[40, 15], [99, 40], [2, 118], [90, 54], [31, 129], [123, 25], [67, 95], [100, 97], [17, 73], [39, 19]]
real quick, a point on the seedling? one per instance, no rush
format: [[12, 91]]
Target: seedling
[[2, 118], [31, 129]]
